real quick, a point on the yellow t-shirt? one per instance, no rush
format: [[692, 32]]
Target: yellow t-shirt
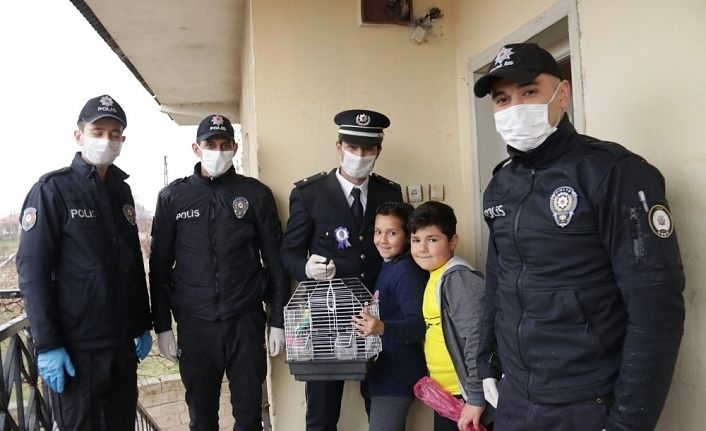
[[439, 363]]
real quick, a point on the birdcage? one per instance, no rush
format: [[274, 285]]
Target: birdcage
[[320, 339]]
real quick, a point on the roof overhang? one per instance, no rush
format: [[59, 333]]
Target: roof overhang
[[187, 54]]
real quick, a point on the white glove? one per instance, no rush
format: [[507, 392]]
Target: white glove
[[167, 345], [275, 341], [490, 391], [317, 268]]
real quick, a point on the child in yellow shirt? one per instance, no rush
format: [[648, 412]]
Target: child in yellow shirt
[[452, 308]]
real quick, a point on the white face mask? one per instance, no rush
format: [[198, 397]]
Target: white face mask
[[99, 151], [524, 127], [355, 166], [216, 163]]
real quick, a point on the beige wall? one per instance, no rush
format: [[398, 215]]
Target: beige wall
[[643, 75]]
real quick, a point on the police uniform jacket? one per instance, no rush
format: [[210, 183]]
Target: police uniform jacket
[[214, 253], [584, 278], [318, 211], [79, 261]]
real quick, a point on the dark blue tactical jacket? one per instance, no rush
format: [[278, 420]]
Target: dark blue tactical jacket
[[79, 261], [584, 278], [215, 250]]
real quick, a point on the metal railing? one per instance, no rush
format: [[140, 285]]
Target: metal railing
[[24, 403], [143, 420]]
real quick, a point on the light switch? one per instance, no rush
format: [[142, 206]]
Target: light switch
[[414, 193], [436, 192]]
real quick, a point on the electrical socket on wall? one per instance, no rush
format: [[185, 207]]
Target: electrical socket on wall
[[436, 192], [414, 193]]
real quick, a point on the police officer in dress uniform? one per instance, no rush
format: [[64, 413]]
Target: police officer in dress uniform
[[83, 281], [214, 260], [330, 231], [584, 281]]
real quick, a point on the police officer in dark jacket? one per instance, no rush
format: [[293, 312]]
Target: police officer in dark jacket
[[584, 303], [330, 231], [82, 278], [214, 260]]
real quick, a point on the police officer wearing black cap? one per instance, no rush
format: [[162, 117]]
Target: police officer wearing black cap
[[82, 279], [330, 231], [583, 308], [214, 260]]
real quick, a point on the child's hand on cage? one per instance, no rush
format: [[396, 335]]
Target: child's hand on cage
[[366, 324]]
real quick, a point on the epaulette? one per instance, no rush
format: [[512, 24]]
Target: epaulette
[[312, 179], [62, 171], [177, 181], [501, 165], [384, 180], [616, 150]]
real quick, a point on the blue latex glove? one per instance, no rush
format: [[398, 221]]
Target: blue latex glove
[[143, 345], [51, 366]]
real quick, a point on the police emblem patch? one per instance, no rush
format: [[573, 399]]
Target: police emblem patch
[[129, 213], [563, 202], [362, 119], [660, 221], [240, 206], [29, 218]]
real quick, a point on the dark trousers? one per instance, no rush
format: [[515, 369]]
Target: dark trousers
[[515, 412], [103, 395], [323, 404], [207, 350]]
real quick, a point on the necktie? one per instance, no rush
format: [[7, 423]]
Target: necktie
[[357, 207]]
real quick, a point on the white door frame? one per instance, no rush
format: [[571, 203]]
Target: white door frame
[[476, 67]]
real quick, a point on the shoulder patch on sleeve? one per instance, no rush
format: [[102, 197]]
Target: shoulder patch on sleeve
[[316, 177], [48, 175], [29, 218], [383, 180]]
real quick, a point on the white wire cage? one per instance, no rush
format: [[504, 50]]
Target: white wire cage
[[321, 342]]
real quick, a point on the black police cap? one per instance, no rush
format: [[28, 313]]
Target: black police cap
[[101, 107], [361, 127], [215, 124], [520, 63]]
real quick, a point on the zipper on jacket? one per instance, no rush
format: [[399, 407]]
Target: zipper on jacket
[[518, 283], [212, 243]]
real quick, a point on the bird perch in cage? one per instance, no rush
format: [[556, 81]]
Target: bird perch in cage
[[320, 340]]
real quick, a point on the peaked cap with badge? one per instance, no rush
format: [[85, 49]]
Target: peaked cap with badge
[[102, 107], [213, 125], [361, 127], [520, 63]]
